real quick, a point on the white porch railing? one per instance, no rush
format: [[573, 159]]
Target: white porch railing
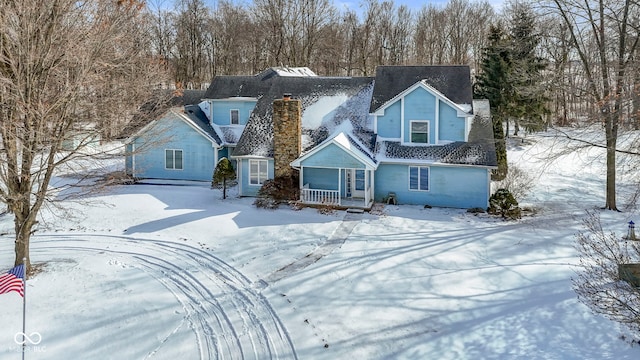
[[318, 196]]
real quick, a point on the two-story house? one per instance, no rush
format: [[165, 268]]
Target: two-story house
[[412, 133]]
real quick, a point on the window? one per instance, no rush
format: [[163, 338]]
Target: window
[[420, 132], [235, 117], [359, 180], [419, 178], [257, 171], [173, 159]]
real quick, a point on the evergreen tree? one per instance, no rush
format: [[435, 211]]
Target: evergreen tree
[[224, 171], [493, 84], [528, 104]]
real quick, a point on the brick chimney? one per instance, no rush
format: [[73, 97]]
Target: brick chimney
[[287, 131]]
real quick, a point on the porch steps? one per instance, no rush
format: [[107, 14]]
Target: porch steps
[[355, 211]]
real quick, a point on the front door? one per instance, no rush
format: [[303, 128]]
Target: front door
[[354, 183]]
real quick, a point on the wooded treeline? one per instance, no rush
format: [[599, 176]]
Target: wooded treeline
[[197, 42]]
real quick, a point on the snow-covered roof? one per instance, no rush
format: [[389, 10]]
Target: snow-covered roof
[[479, 150], [293, 71], [341, 105], [326, 103]]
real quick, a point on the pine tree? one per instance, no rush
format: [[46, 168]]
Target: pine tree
[[224, 171], [528, 104], [493, 84]]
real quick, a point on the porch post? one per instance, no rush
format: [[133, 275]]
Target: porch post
[[366, 187], [339, 186], [373, 184], [301, 183]]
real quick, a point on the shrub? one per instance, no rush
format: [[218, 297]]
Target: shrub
[[517, 181], [277, 191], [503, 203]]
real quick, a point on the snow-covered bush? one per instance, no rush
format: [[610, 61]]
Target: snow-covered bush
[[503, 203], [598, 283], [517, 181]]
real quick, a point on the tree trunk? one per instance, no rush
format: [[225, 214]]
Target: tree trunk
[[610, 203], [23, 224]]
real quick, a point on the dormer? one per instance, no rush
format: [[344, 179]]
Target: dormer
[[421, 115], [233, 111]]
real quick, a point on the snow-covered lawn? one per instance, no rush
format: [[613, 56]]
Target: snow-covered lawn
[[166, 272]]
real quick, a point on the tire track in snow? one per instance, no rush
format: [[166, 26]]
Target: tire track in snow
[[229, 317]]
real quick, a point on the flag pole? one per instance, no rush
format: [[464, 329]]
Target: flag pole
[[24, 305]]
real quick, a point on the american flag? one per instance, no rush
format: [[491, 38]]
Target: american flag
[[13, 281]]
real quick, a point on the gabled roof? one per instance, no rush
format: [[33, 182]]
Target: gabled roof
[[347, 144], [257, 138], [159, 103], [339, 107], [454, 82], [479, 150]]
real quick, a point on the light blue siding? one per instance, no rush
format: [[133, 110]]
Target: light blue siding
[[389, 123], [172, 133], [334, 157], [247, 189], [222, 111], [420, 104], [316, 178], [451, 126], [458, 187]]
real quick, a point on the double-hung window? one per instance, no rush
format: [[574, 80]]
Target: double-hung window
[[419, 178], [419, 131], [235, 116], [257, 171], [173, 159]]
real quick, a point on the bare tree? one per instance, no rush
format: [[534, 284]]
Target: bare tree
[[67, 69], [598, 284], [191, 45], [604, 34]]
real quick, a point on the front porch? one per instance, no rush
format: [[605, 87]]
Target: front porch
[[332, 198], [340, 188]]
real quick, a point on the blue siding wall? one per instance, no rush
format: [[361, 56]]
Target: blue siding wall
[[451, 126], [389, 123], [459, 187], [420, 105], [222, 111], [197, 152], [333, 156], [326, 179], [248, 189]]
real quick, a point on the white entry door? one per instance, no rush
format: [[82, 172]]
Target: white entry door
[[354, 183]]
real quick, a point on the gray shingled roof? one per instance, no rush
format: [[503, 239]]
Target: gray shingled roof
[[257, 138], [198, 117], [159, 103], [454, 82], [365, 96]]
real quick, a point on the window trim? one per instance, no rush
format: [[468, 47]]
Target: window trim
[[420, 169], [231, 111], [173, 151], [411, 122], [259, 178]]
